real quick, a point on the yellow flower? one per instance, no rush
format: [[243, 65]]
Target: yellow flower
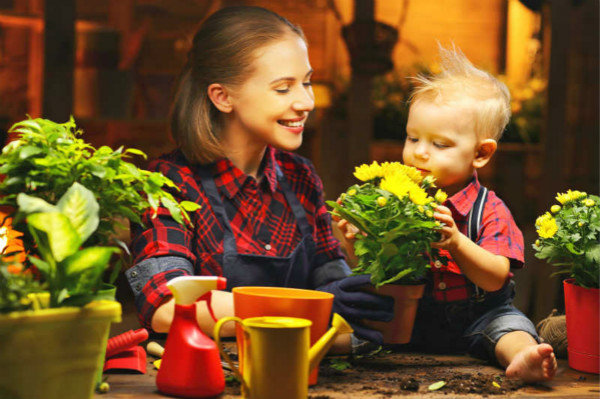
[[352, 192], [419, 196], [368, 172], [547, 226], [397, 184], [542, 219], [569, 196], [589, 202], [381, 201], [441, 196], [555, 208]]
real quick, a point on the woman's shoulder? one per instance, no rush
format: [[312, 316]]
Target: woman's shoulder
[[173, 164], [291, 163]]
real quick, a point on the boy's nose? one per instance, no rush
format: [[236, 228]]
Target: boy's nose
[[421, 151]]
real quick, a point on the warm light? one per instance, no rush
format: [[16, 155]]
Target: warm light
[[322, 95]]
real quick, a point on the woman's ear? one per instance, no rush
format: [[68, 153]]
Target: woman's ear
[[220, 98], [485, 150]]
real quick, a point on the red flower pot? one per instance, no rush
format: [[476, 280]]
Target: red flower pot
[[582, 311]]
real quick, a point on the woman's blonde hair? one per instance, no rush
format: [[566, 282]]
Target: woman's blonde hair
[[222, 52], [459, 82]]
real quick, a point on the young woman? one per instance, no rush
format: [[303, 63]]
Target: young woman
[[241, 105]]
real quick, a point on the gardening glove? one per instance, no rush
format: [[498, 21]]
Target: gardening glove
[[353, 305]]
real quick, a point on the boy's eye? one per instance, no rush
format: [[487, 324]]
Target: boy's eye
[[440, 145], [412, 139]]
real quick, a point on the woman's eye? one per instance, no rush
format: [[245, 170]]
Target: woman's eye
[[307, 84], [283, 90]]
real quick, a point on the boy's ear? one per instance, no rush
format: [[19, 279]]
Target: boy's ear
[[485, 150], [220, 98]]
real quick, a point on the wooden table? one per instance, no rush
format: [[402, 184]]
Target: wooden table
[[389, 374]]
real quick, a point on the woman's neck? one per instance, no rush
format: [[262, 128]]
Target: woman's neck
[[246, 158]]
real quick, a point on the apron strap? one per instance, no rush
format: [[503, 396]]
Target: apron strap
[[208, 182]]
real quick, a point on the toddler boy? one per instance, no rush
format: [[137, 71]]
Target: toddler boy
[[455, 121]]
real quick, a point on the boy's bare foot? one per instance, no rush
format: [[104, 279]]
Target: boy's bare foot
[[534, 363]]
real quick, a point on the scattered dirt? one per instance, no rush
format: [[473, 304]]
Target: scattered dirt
[[391, 374]]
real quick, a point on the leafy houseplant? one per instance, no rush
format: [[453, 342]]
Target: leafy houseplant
[[46, 158], [569, 239], [395, 213]]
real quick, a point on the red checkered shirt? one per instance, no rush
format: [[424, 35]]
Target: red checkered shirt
[[498, 234], [261, 220]]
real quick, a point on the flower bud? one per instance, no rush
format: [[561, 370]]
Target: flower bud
[[555, 208], [537, 243], [589, 202], [381, 201], [352, 192]]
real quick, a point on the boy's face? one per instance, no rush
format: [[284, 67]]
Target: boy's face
[[441, 141]]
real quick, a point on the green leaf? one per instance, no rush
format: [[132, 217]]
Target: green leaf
[[190, 206], [28, 204], [83, 270], [80, 206], [436, 385], [63, 240], [28, 151], [42, 266]]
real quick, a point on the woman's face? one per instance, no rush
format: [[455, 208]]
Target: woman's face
[[272, 105]]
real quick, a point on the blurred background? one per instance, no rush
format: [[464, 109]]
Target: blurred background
[[113, 63]]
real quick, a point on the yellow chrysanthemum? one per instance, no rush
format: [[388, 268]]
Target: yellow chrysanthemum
[[569, 196], [589, 202], [543, 218], [547, 228], [441, 196], [398, 184], [419, 196], [368, 172]]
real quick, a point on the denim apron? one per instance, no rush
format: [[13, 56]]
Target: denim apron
[[261, 270]]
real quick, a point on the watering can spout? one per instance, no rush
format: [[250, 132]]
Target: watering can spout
[[320, 348]]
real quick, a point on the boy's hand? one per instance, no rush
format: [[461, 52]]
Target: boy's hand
[[449, 231]]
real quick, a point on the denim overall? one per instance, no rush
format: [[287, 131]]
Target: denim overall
[[474, 324], [261, 270]]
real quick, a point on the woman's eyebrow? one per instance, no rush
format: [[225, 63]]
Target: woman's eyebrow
[[291, 78]]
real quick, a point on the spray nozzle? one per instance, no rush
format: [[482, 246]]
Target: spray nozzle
[[189, 289]]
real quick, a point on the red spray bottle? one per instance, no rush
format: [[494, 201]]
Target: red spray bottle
[[191, 365]]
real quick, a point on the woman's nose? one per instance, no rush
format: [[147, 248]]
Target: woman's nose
[[305, 100]]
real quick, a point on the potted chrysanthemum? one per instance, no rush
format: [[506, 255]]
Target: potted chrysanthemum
[[394, 211], [569, 239]]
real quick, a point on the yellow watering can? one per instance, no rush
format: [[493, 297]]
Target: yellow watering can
[[277, 354]]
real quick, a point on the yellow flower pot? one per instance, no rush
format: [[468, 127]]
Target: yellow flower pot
[[54, 353]]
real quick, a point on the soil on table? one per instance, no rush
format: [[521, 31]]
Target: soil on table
[[390, 374]]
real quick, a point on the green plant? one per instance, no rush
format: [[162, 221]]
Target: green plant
[[73, 275], [395, 214], [48, 157], [569, 237]]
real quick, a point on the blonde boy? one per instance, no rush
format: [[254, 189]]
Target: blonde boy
[[455, 120]]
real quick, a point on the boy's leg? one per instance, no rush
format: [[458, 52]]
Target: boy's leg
[[506, 335], [524, 358]]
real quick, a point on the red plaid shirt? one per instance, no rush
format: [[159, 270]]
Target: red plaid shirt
[[261, 220], [498, 234]]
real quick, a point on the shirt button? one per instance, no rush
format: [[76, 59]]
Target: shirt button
[[437, 264], [268, 247], [442, 286], [138, 287], [134, 274]]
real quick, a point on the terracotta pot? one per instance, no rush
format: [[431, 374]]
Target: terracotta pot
[[406, 302], [582, 311]]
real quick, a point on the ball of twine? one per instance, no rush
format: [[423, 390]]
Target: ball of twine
[[553, 330]]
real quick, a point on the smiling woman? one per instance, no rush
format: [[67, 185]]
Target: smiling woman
[[240, 108]]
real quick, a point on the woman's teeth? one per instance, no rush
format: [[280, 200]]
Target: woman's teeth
[[292, 123]]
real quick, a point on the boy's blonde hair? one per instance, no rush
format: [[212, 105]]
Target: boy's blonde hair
[[460, 81]]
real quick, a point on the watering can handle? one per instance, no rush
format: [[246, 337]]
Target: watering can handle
[[217, 337]]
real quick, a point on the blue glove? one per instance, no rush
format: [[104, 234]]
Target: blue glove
[[354, 305]]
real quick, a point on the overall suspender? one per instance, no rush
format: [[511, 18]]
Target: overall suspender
[[474, 224]]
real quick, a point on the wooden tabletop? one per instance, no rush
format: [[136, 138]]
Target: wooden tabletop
[[390, 374]]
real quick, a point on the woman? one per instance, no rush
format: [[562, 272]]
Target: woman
[[241, 105]]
